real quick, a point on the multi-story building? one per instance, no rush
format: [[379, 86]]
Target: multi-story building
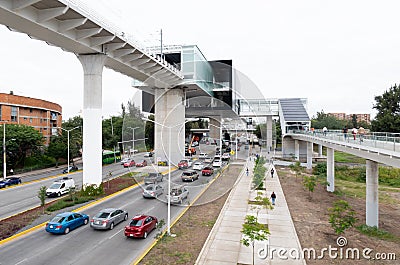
[[42, 115], [360, 117]]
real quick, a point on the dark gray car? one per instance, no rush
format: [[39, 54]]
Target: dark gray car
[[153, 178], [108, 218]]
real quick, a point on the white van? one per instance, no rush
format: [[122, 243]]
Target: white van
[[60, 187]]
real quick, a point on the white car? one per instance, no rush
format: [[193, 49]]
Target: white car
[[198, 166], [225, 156], [203, 155], [123, 161], [208, 160], [217, 163]]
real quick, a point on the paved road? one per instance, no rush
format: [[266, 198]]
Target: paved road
[[87, 246], [23, 197]]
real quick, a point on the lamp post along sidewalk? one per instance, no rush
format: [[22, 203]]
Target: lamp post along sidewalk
[[169, 169], [68, 131], [133, 139], [4, 151]]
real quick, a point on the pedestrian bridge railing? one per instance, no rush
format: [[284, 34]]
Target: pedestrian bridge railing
[[376, 140]]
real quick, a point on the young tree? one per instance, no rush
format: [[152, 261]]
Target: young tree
[[341, 216], [388, 117], [42, 196], [252, 230], [296, 167], [309, 183]]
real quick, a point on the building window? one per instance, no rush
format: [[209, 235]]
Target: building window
[[25, 118], [14, 111], [0, 112], [30, 110], [30, 120]]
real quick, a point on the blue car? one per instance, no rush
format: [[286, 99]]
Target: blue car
[[10, 181], [63, 223]]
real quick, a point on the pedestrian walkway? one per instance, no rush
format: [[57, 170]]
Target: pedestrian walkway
[[223, 244]]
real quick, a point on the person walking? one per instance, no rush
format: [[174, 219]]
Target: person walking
[[272, 172], [324, 130], [354, 132], [247, 171], [345, 133], [361, 132], [273, 198]]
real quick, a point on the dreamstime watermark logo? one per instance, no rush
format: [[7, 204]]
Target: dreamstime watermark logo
[[333, 252]]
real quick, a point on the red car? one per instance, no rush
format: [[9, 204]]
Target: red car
[[141, 164], [130, 163], [141, 226], [183, 164], [207, 171]]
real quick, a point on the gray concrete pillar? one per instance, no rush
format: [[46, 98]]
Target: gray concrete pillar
[[214, 129], [330, 169], [92, 110], [170, 112], [296, 150], [309, 155], [269, 133], [372, 195], [319, 150]]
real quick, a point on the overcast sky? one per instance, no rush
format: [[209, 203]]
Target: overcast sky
[[338, 54]]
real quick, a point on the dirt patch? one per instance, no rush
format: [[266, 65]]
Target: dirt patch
[[311, 217], [193, 227], [13, 224]]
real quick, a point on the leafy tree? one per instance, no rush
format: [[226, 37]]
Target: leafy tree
[[252, 231], [149, 133], [341, 216], [133, 118], [42, 196], [296, 167], [324, 120], [57, 148], [388, 107], [21, 141], [309, 183]]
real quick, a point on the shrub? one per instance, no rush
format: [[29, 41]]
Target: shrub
[[341, 216]]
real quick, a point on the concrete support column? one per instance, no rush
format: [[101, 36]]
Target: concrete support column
[[319, 150], [170, 112], [372, 195], [296, 150], [309, 155], [330, 169], [92, 108], [214, 129], [269, 133]]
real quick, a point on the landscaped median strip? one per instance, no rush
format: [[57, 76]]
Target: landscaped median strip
[[32, 229], [178, 217]]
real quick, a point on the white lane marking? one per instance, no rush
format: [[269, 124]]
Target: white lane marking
[[119, 231], [151, 208], [21, 261]]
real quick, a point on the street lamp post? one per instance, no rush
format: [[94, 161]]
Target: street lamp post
[[133, 139], [169, 171], [4, 151], [68, 142]]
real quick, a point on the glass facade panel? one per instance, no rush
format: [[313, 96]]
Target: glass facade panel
[[14, 113]]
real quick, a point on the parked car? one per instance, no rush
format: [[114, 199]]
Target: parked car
[[71, 169], [3, 184], [195, 143], [152, 191], [141, 164], [141, 226], [153, 178], [149, 154], [198, 166], [217, 163], [65, 222], [13, 181], [108, 218], [126, 159], [60, 187], [178, 194], [207, 171], [130, 163], [190, 175]]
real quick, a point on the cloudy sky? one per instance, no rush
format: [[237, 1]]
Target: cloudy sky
[[338, 54]]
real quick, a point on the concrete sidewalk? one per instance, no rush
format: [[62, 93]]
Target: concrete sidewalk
[[223, 244]]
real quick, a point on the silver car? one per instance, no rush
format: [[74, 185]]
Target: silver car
[[108, 218], [152, 191], [153, 178]]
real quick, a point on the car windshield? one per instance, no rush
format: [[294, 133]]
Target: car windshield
[[182, 161], [187, 173], [136, 223], [176, 192], [55, 186], [102, 215], [57, 219], [149, 188]]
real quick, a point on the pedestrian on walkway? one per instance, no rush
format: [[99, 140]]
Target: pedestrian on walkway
[[247, 171], [361, 132], [324, 130], [272, 172], [354, 132], [273, 198], [345, 133]]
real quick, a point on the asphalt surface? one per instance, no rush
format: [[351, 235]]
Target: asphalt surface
[[87, 246]]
